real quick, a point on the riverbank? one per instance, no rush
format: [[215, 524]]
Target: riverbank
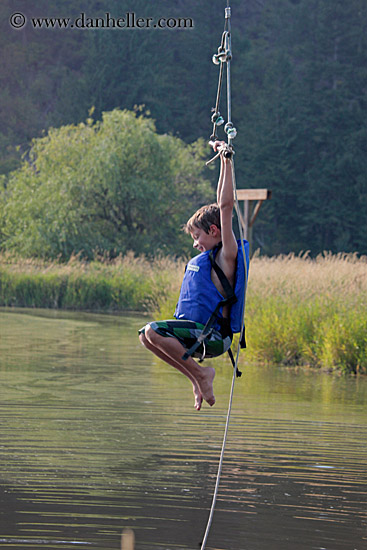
[[126, 283], [305, 312], [300, 311], [309, 312]]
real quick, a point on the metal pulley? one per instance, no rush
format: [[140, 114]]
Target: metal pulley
[[224, 51], [223, 56], [220, 57], [217, 119], [230, 130]]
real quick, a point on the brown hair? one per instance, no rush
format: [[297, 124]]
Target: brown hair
[[204, 217]]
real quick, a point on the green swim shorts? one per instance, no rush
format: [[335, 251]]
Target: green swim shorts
[[186, 332]]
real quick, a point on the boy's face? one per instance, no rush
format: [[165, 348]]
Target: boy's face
[[205, 241]]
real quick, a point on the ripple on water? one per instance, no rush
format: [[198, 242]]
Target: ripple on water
[[96, 436]]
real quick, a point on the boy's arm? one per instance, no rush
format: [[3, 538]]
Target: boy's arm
[[225, 202]]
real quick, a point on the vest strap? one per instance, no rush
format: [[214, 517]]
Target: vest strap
[[231, 297], [205, 333], [227, 287]]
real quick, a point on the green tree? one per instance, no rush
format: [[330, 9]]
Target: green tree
[[303, 107], [38, 68], [298, 97], [108, 187]]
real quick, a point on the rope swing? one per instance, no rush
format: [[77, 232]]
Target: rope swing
[[221, 58]]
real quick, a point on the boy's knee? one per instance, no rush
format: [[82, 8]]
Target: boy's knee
[[147, 335], [151, 335]]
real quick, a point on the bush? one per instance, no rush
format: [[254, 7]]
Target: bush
[[125, 283], [107, 187]]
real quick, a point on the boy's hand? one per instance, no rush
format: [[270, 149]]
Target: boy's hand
[[216, 144], [222, 149]]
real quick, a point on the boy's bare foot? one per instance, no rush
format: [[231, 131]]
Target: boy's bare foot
[[198, 397], [206, 384]]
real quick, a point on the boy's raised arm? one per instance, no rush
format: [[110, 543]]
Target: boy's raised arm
[[225, 202]]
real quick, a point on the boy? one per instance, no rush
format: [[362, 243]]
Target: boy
[[211, 230]]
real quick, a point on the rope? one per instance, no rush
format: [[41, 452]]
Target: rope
[[206, 534], [231, 134], [219, 472]]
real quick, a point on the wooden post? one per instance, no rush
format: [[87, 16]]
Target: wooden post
[[127, 540], [246, 219], [249, 211]]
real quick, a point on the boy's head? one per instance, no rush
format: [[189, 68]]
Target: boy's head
[[204, 218], [204, 227]]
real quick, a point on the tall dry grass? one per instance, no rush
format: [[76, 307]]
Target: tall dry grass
[[340, 276], [128, 282], [300, 311], [303, 311]]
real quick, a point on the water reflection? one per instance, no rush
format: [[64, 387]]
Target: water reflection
[[95, 436]]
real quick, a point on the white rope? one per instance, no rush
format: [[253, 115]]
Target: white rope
[[219, 472], [222, 151], [206, 534]]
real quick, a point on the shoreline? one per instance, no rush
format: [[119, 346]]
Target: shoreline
[[300, 312]]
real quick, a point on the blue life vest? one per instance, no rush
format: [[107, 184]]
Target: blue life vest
[[199, 296]]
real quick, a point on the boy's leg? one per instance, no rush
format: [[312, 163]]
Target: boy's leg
[[197, 393], [172, 348]]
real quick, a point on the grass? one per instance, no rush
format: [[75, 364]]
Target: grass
[[126, 283], [300, 311], [305, 312]]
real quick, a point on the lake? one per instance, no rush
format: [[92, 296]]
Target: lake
[[96, 435]]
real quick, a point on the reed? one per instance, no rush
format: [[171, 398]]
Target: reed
[[300, 311], [305, 312], [125, 283]]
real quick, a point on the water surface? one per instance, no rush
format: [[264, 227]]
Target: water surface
[[96, 435]]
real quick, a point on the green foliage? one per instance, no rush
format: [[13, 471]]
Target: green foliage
[[345, 342], [298, 98], [309, 312], [299, 312], [311, 334], [303, 134], [110, 186], [303, 312], [123, 283]]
